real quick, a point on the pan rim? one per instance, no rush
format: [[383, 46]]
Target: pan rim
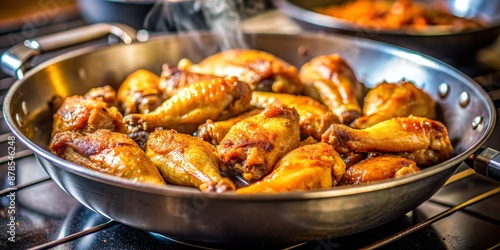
[[178, 191]]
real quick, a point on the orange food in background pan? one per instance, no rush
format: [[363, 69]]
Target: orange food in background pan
[[398, 14]]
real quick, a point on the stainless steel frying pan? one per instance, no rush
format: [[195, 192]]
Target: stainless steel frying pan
[[187, 213]]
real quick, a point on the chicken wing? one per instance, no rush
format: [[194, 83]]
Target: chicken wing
[[314, 117], [107, 152], [310, 167], [139, 93], [261, 70], [214, 132], [187, 160], [173, 79], [329, 79], [420, 139], [86, 115], [107, 94], [255, 144], [400, 99], [378, 168], [220, 98]]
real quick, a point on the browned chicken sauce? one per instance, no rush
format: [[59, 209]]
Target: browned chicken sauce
[[246, 121]]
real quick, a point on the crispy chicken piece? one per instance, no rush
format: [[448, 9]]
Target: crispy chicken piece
[[255, 144], [214, 132], [187, 161], [315, 118], [310, 167], [86, 115], [173, 79], [331, 80], [378, 168], [420, 139], [139, 92], [400, 99], [107, 152], [218, 99], [106, 94], [261, 70]]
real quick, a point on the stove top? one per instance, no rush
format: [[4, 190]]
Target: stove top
[[46, 217]]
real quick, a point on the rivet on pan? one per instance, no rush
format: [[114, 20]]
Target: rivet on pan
[[32, 44], [443, 89], [477, 121], [24, 107], [142, 35], [464, 99], [19, 120]]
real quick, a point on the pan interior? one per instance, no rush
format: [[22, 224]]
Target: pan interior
[[28, 104]]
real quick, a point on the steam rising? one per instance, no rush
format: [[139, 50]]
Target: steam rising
[[222, 17]]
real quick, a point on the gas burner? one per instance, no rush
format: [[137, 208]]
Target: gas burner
[[123, 237]]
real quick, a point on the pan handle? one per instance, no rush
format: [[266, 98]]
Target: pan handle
[[486, 161], [15, 60]]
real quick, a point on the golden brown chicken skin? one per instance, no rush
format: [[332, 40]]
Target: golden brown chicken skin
[[173, 79], [86, 115], [378, 168], [106, 94], [187, 161], [255, 144], [261, 70], [214, 132], [315, 118], [218, 99], [331, 80], [420, 139], [107, 152], [139, 92], [309, 167], [388, 100]]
